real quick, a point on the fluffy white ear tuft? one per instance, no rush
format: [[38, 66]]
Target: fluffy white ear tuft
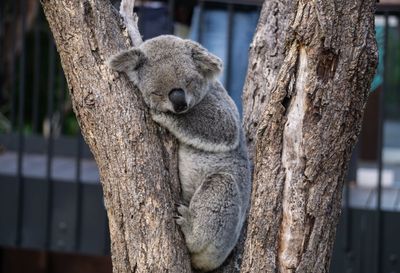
[[208, 64], [127, 60]]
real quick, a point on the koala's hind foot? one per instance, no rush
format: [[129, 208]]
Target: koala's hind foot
[[212, 222], [183, 218]]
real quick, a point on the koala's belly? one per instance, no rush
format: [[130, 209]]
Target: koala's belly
[[194, 166]]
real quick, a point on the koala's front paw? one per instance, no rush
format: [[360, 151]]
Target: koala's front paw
[[160, 118], [183, 211], [183, 218]]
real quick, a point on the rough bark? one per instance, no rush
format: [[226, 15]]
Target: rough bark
[[310, 67], [136, 159], [309, 74]]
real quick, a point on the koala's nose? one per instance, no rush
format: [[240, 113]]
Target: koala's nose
[[178, 99]]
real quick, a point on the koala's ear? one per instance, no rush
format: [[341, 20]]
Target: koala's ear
[[208, 64], [127, 60]]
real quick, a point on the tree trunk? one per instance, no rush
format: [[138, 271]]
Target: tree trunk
[[137, 162], [310, 68], [309, 75]]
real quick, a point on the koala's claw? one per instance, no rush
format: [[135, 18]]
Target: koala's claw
[[178, 204], [184, 224], [183, 211], [183, 217], [179, 220]]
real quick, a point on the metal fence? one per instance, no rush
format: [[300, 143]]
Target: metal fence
[[368, 232], [50, 196]]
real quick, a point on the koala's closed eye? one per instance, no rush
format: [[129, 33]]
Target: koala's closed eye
[[156, 94], [190, 82]]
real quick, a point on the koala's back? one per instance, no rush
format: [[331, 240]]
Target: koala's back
[[196, 164]]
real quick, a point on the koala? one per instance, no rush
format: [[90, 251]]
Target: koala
[[177, 79]]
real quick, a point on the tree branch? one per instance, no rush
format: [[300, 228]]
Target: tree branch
[[131, 20], [310, 69], [137, 160]]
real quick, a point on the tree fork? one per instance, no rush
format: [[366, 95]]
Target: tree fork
[[311, 64]]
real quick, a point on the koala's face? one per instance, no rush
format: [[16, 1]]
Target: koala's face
[[170, 84], [173, 74]]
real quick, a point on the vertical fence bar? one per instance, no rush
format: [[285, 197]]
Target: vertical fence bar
[[347, 219], [347, 237], [171, 11], [63, 94], [361, 244], [396, 202], [49, 144], [21, 112], [259, 8], [13, 83], [36, 79], [107, 241], [2, 35], [229, 47], [79, 195], [347, 212], [201, 22], [381, 116], [60, 98]]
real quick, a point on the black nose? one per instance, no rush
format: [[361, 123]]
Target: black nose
[[177, 97]]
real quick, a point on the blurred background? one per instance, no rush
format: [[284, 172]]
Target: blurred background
[[52, 217]]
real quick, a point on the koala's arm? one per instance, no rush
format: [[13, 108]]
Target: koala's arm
[[212, 125]]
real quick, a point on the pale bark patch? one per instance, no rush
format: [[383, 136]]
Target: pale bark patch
[[292, 226]]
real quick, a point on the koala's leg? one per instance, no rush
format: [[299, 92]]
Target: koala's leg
[[211, 224]]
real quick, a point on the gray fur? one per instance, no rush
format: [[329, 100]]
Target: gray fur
[[213, 162]]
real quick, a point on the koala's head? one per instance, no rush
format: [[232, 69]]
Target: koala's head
[[173, 74]]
